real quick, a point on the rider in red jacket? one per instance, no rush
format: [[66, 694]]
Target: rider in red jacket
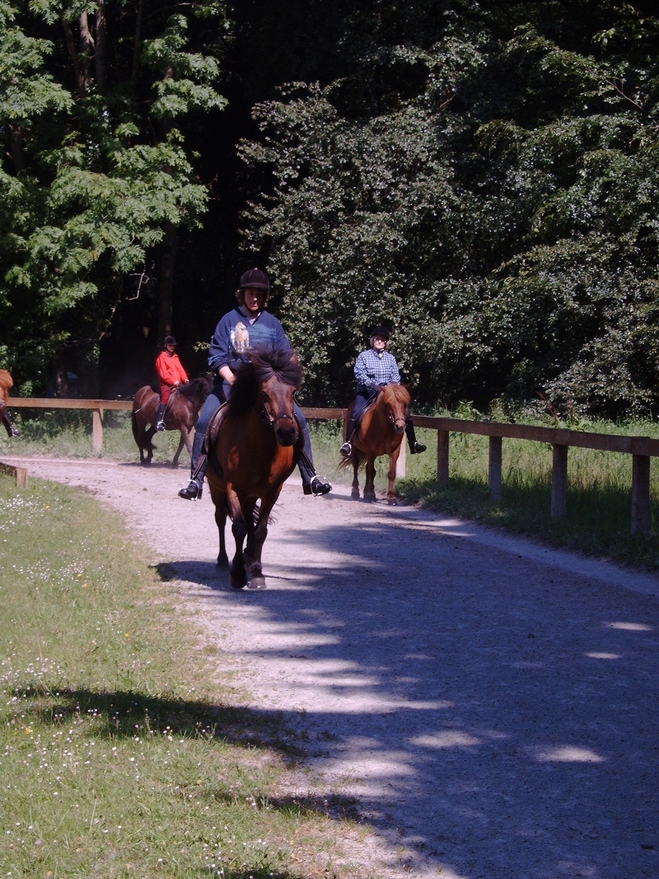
[[171, 374]]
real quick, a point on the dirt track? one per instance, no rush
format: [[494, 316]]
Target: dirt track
[[491, 704]]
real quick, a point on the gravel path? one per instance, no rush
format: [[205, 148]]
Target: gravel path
[[490, 704]]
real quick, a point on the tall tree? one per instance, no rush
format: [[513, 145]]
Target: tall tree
[[98, 168]]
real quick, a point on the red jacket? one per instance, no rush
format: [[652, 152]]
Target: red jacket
[[169, 369]]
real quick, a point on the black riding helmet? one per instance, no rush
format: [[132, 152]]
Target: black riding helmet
[[253, 278], [380, 331]]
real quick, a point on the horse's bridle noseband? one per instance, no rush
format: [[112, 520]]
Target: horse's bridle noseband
[[396, 422], [271, 421]]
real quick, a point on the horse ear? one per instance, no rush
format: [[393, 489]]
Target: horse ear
[[294, 357]]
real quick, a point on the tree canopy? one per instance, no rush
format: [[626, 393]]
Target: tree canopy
[[481, 177]]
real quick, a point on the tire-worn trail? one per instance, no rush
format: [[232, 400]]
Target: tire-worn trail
[[491, 704]]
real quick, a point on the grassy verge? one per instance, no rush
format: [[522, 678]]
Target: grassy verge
[[119, 753], [598, 520]]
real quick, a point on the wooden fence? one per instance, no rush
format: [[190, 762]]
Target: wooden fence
[[640, 448]]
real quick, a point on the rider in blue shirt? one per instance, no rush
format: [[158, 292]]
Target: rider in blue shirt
[[375, 368], [244, 327]]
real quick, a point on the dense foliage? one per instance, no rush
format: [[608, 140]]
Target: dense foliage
[[480, 176]]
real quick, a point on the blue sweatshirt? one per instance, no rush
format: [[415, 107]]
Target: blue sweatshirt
[[235, 334]]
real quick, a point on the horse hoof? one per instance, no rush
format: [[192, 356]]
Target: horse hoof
[[392, 502], [256, 583], [354, 495], [222, 561], [237, 583]]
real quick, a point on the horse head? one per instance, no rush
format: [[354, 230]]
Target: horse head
[[270, 378], [396, 400]]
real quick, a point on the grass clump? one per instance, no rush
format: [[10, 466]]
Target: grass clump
[[598, 519], [118, 755]]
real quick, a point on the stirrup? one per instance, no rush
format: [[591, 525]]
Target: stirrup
[[318, 485], [417, 448], [346, 449], [191, 492], [160, 425]]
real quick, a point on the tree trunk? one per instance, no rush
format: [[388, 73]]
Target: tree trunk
[[73, 55], [137, 45], [166, 285], [100, 59], [86, 49]]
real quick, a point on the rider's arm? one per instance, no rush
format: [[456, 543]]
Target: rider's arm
[[227, 374], [364, 375]]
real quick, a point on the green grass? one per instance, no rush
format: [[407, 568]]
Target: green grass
[[598, 519], [120, 752]]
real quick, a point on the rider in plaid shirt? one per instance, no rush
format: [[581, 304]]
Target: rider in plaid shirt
[[375, 368]]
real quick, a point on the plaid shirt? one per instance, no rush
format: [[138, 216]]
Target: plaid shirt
[[372, 369]]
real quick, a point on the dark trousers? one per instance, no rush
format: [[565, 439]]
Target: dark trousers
[[220, 392]]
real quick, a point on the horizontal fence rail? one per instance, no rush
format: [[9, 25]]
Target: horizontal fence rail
[[641, 448]]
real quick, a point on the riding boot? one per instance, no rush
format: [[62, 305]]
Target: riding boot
[[415, 447], [9, 427], [160, 424], [351, 429], [194, 489]]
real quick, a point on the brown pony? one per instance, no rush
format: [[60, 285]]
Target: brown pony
[[252, 445], [380, 432], [181, 414]]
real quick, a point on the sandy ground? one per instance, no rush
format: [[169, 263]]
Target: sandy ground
[[490, 705]]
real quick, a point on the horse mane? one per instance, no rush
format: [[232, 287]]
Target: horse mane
[[399, 392], [197, 389], [263, 363]]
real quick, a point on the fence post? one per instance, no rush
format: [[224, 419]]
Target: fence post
[[442, 457], [494, 468], [559, 482], [640, 494], [97, 430]]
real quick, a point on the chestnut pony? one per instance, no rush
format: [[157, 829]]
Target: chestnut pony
[[253, 444], [181, 414], [380, 432]]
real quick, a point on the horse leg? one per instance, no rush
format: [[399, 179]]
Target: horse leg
[[369, 485], [256, 534], [256, 539], [148, 445], [239, 529], [391, 475], [354, 494], [184, 441], [220, 520]]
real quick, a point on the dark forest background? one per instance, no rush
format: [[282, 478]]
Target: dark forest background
[[481, 177]]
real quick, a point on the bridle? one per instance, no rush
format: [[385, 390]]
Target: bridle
[[272, 420], [397, 423]]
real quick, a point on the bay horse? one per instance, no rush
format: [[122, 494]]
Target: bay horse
[[181, 414], [253, 442], [380, 432]]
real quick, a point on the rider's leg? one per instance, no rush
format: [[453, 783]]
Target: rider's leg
[[415, 447], [311, 482], [198, 463], [165, 391], [363, 398]]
